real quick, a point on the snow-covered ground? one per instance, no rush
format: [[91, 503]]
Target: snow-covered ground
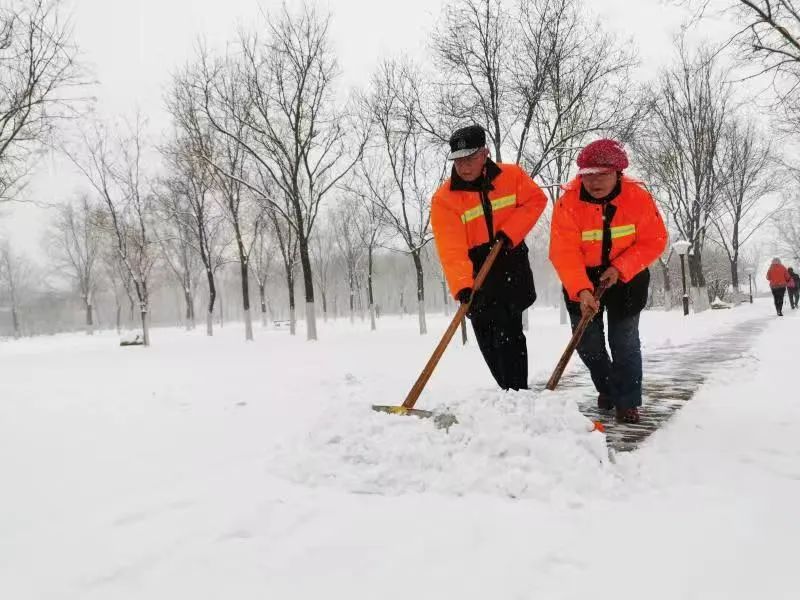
[[212, 468]]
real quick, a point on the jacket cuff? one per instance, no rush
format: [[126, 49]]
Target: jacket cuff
[[514, 242], [572, 293], [460, 285]]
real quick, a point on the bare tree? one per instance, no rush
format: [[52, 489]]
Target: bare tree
[[261, 260], [227, 107], [679, 149], [370, 224], [473, 46], [540, 77], [175, 234], [404, 171], [770, 32], [75, 241], [348, 241], [787, 226], [287, 242], [747, 169], [587, 92], [243, 213], [117, 279], [116, 173], [768, 39], [291, 130], [323, 251], [16, 274], [38, 70], [195, 177]]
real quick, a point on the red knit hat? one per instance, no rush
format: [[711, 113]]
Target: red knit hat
[[602, 156]]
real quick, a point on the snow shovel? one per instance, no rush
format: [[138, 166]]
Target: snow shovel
[[442, 420], [573, 343]]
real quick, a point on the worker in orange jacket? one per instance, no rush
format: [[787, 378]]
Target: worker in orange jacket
[[606, 228], [779, 279], [483, 202]]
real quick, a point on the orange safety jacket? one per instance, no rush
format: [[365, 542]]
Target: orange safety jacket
[[634, 239], [460, 223]]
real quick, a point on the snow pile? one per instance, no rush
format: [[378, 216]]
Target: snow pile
[[513, 444]]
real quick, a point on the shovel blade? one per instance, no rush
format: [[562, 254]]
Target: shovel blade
[[441, 420]]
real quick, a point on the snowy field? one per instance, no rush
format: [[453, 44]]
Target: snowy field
[[209, 468]]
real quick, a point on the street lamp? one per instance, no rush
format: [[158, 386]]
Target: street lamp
[[750, 271], [681, 247]]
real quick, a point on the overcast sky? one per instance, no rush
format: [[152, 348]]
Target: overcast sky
[[132, 46]]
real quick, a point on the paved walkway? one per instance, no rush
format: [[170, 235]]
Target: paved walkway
[[671, 378]]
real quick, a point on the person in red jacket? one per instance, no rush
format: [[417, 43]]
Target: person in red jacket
[[778, 278], [606, 228], [483, 202]]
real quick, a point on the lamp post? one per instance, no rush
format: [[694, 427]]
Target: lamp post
[[750, 271], [681, 247]]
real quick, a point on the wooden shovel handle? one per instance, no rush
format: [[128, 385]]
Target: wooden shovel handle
[[415, 392], [573, 343]]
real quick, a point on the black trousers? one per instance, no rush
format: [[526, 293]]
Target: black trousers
[[500, 338], [778, 294], [794, 296]]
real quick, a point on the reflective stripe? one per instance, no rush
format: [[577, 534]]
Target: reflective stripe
[[472, 214], [596, 235], [497, 204], [504, 202], [622, 231]]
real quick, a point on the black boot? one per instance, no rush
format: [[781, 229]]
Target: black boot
[[628, 415], [604, 402]]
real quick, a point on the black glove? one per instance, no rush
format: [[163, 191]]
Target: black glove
[[502, 237], [464, 295]]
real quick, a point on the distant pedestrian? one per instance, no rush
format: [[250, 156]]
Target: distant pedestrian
[[778, 278], [794, 288]]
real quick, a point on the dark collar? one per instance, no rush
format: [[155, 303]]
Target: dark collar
[[483, 182], [587, 197]]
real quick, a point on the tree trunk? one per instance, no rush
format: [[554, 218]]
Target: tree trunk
[[735, 274], [15, 321], [145, 327], [187, 296], [290, 288], [119, 317], [324, 305], [263, 295], [221, 312], [699, 292], [370, 292], [212, 297], [423, 326], [667, 284], [696, 274], [245, 274], [445, 299], [351, 292], [308, 283], [89, 319]]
